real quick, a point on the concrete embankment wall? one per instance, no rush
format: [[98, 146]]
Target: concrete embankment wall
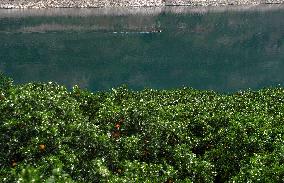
[[10, 4]]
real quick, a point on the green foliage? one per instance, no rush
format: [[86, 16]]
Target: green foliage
[[29, 174], [5, 84], [189, 165], [50, 134], [263, 168]]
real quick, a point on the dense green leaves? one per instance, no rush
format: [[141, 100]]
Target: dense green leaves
[[50, 134], [5, 83]]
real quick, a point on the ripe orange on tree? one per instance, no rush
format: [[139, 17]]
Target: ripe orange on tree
[[117, 126], [42, 147], [118, 123]]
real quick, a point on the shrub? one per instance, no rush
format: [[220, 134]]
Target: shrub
[[50, 134]]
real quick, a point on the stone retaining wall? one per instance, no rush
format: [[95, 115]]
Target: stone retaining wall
[[10, 4]]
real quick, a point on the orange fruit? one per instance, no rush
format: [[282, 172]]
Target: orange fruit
[[117, 126], [170, 180], [42, 147]]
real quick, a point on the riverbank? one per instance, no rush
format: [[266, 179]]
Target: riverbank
[[24, 4]]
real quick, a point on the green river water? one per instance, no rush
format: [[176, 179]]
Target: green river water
[[162, 48]]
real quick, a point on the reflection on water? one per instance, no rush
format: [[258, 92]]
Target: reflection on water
[[204, 48]]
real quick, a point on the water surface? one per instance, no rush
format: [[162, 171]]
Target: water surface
[[219, 49]]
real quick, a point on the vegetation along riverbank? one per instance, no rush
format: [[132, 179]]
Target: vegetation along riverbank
[[50, 134], [10, 4]]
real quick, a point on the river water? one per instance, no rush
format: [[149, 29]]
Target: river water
[[221, 49]]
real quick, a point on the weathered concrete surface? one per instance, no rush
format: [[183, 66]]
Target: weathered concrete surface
[[10, 4], [77, 3], [219, 2]]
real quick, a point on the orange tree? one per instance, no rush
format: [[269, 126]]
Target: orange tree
[[50, 134]]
